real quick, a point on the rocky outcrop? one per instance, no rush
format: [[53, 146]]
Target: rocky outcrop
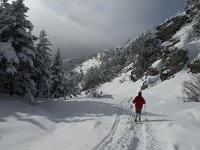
[[170, 27], [152, 72], [195, 66], [173, 63], [133, 76], [161, 42]]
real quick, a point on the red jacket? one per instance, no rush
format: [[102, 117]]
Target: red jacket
[[139, 101]]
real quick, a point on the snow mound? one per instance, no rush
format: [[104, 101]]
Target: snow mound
[[157, 64], [191, 114]]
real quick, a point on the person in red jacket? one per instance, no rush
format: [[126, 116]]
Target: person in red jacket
[[139, 102]]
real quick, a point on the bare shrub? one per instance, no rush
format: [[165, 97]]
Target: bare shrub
[[191, 89]]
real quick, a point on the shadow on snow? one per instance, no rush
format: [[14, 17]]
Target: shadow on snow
[[55, 111]]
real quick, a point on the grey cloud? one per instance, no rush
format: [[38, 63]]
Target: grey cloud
[[80, 27]]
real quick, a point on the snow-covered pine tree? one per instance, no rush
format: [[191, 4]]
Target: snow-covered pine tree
[[16, 30], [148, 52], [57, 77], [23, 43], [71, 83], [105, 70], [8, 56], [42, 65], [6, 19], [92, 78]]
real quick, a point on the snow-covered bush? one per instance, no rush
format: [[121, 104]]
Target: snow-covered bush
[[192, 89], [99, 95], [93, 93]]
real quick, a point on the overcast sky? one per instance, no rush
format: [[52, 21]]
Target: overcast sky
[[83, 27]]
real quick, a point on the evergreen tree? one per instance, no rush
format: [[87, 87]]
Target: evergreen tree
[[92, 78], [42, 65], [23, 43], [57, 79], [71, 83], [6, 20], [16, 29], [8, 56]]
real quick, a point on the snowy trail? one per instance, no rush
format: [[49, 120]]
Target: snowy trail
[[109, 137], [145, 137], [127, 135], [135, 136]]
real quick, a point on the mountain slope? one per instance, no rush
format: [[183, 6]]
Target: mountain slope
[[174, 44]]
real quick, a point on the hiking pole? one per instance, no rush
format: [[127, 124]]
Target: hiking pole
[[145, 112]]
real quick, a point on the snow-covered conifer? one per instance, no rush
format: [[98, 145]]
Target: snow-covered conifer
[[71, 83], [57, 77], [92, 78], [15, 30], [42, 64]]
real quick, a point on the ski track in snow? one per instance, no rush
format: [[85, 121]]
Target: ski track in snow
[[109, 137], [147, 140], [134, 136]]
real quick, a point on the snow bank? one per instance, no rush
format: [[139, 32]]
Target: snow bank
[[54, 124]]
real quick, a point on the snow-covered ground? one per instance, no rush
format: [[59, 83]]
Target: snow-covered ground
[[97, 124], [73, 125]]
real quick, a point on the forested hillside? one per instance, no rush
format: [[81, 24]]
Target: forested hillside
[[160, 52]]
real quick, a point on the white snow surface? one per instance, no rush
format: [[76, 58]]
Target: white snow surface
[[192, 45], [88, 64], [157, 65], [104, 124]]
